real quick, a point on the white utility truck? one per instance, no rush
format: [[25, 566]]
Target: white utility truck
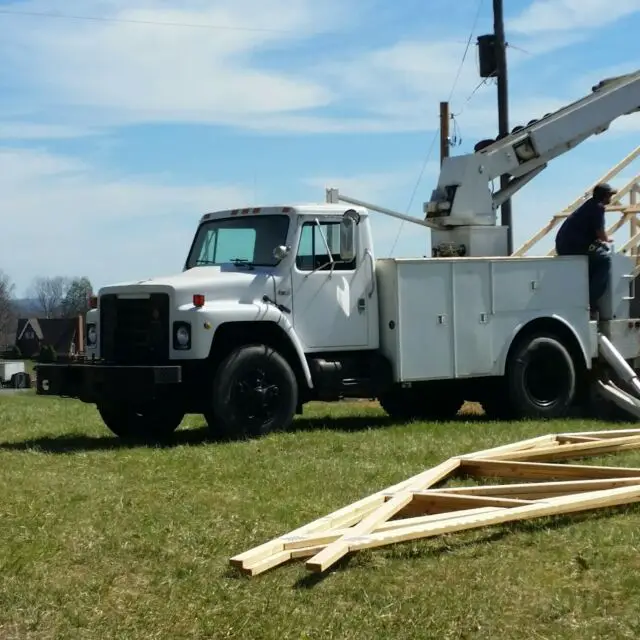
[[280, 305]]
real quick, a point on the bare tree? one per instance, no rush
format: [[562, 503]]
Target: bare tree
[[50, 294], [8, 317]]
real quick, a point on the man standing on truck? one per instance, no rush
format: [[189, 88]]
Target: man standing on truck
[[583, 233]]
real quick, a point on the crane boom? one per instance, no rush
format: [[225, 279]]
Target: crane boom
[[463, 197]]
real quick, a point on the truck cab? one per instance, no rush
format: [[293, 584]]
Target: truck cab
[[298, 280]]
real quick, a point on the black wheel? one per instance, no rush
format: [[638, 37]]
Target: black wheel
[[415, 403], [255, 391], [154, 422], [541, 379]]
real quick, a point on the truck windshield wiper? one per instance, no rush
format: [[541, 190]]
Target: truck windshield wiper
[[204, 263], [242, 262]]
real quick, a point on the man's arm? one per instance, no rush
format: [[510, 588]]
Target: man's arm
[[601, 233]]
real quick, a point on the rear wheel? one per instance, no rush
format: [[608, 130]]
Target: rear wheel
[[152, 422], [255, 391], [540, 381]]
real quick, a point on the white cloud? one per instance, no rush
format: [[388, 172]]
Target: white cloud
[[571, 15], [17, 130], [68, 218], [136, 72], [87, 75]]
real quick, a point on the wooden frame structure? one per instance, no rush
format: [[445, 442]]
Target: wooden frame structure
[[414, 509], [626, 204]]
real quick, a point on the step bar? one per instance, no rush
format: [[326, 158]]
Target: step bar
[[609, 390]]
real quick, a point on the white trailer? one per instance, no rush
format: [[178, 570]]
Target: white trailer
[[13, 375], [277, 306]]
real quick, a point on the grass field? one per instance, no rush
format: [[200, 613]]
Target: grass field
[[102, 540]]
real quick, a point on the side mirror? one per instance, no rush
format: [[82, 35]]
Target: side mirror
[[280, 253], [350, 220]]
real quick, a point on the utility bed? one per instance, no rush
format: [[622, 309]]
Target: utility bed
[[443, 318]]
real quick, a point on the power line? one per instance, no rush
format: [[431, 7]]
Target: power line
[[433, 141], [157, 23]]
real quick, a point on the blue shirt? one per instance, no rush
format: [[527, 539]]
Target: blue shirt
[[581, 228]]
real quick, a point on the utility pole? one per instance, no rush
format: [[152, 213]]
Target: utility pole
[[503, 105], [444, 130]]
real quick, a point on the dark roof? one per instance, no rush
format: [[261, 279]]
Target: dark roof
[[57, 332]]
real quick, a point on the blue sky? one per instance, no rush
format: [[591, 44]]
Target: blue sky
[[117, 134]]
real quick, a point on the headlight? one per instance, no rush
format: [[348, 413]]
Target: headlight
[[92, 335], [181, 336]]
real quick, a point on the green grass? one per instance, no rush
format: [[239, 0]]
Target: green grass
[[101, 540]]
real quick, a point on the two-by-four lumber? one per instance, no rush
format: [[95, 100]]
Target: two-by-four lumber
[[338, 549], [541, 470], [347, 515], [329, 538], [554, 506], [568, 451], [308, 545], [613, 433], [521, 445], [540, 490]]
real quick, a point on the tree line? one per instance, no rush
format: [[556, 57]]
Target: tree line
[[47, 297]]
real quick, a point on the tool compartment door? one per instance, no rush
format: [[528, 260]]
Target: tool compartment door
[[425, 322]]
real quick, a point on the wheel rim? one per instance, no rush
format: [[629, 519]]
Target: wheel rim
[[545, 377], [255, 397]]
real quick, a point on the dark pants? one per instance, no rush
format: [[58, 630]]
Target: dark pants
[[599, 268]]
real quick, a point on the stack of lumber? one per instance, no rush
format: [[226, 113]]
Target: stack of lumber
[[538, 485]]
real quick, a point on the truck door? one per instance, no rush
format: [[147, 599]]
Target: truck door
[[331, 303]]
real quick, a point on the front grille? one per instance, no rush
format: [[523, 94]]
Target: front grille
[[134, 331]]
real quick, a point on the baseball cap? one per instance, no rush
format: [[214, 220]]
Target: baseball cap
[[604, 187]]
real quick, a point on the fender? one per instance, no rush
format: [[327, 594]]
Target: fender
[[297, 345], [233, 313], [501, 361]]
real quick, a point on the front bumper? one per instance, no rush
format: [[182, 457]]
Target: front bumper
[[94, 383]]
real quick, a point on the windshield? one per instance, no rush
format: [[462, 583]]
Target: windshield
[[243, 240]]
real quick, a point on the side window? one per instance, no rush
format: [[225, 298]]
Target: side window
[[312, 250]]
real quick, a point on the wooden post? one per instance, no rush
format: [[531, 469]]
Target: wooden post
[[634, 221], [444, 130]]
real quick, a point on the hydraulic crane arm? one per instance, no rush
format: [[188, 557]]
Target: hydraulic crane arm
[[463, 197]]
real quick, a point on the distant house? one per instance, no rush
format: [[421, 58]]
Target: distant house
[[65, 335]]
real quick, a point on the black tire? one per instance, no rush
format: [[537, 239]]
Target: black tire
[[541, 379], [409, 404], [154, 422], [255, 392]]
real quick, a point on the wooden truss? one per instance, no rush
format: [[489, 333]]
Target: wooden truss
[[415, 509], [625, 204]]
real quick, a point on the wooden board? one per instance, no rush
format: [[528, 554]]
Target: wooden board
[[414, 509]]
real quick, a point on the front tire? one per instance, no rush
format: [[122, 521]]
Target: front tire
[[154, 422], [255, 392]]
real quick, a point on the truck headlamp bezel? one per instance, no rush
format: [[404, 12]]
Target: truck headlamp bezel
[[181, 336]]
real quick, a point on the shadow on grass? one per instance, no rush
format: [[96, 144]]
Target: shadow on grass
[[197, 436]]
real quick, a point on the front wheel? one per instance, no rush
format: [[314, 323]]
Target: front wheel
[[255, 391], [153, 422]]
